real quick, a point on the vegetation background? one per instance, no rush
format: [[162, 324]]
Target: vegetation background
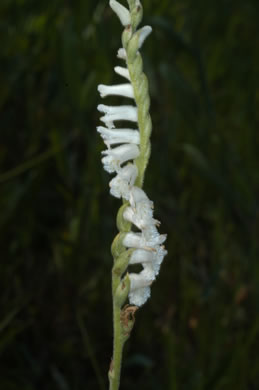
[[200, 330]]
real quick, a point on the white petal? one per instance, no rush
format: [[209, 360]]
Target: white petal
[[122, 72], [115, 113], [121, 11], [122, 54], [125, 90], [158, 258], [141, 256], [117, 156], [141, 216], [144, 33], [138, 195], [140, 280], [141, 211], [153, 237], [140, 296], [121, 183], [118, 136], [109, 164], [134, 240]]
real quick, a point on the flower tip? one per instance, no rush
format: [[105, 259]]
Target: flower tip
[[101, 89], [102, 108], [144, 33], [121, 11]]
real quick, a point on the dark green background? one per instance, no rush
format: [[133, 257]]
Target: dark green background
[[200, 329]]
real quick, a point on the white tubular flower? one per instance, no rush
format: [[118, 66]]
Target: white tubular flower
[[117, 113], [140, 280], [122, 72], [122, 54], [121, 11], [144, 33], [125, 90], [117, 156], [134, 240], [118, 136], [152, 236], [140, 296], [142, 216], [138, 240], [141, 256], [120, 185]]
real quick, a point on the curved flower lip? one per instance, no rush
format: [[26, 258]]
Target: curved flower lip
[[140, 280], [137, 195], [117, 156], [117, 136], [137, 240], [142, 216], [125, 90], [152, 236], [122, 72], [140, 296], [143, 34], [116, 113], [121, 183], [121, 11], [141, 256], [122, 54]]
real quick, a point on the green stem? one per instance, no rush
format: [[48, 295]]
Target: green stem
[[118, 343], [118, 336]]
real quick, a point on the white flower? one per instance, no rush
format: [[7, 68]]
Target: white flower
[[138, 195], [122, 54], [152, 236], [142, 279], [144, 33], [125, 90], [117, 156], [141, 216], [122, 72], [140, 296], [118, 136], [141, 256], [120, 185], [121, 11], [116, 113], [138, 240]]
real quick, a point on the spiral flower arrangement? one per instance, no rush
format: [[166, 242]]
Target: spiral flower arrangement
[[127, 156]]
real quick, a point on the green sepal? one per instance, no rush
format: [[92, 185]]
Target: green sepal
[[117, 246], [122, 262], [126, 35], [133, 47], [122, 224], [122, 291], [131, 4], [136, 15]]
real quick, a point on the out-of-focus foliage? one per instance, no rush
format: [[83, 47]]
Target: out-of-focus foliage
[[200, 330]]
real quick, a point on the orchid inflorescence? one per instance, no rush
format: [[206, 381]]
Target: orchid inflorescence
[[124, 148], [127, 155]]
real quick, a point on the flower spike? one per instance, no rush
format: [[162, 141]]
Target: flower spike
[[127, 156]]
